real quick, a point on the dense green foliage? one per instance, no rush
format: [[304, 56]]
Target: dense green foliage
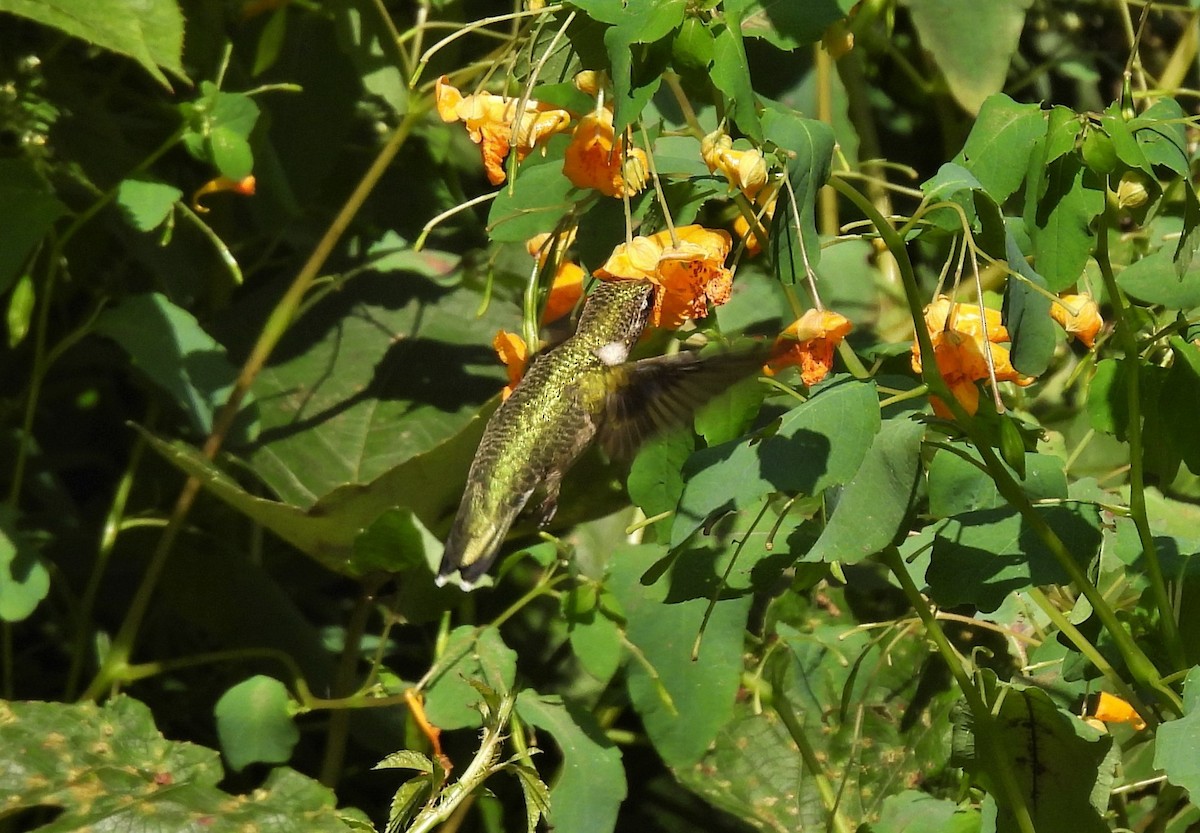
[[238, 415]]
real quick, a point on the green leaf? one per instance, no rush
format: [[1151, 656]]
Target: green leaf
[[636, 73], [972, 44], [808, 145], [429, 485], [787, 24], [108, 768], [24, 580], [1027, 315], [406, 759], [366, 381], [730, 413], [28, 210], [590, 786], [535, 203], [1054, 756], [872, 507], [683, 704], [536, 794], [1160, 131], [219, 127], [913, 811], [397, 542], [1059, 221], [168, 345], [19, 315], [656, 477], [998, 148], [956, 486], [818, 444], [470, 655], [146, 203], [1176, 741], [151, 33], [1182, 385], [254, 723], [982, 556], [731, 75], [1153, 280], [1190, 238]]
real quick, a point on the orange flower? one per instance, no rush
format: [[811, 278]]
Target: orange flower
[[959, 337], [512, 350], [746, 170], [597, 159], [687, 277], [489, 119], [567, 287], [1112, 709], [808, 343], [1083, 324], [244, 186]]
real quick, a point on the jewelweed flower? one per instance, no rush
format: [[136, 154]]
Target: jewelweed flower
[[244, 186], [741, 226], [746, 170], [1084, 323], [489, 119], [960, 335], [1112, 709], [688, 276], [808, 343], [596, 158], [514, 353]]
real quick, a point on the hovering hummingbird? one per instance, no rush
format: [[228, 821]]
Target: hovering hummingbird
[[581, 389]]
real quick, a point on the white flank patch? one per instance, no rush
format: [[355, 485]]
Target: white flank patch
[[613, 353]]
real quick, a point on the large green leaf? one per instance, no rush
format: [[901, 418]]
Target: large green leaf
[[683, 703], [370, 379], [590, 786], [1055, 758], [788, 24], [816, 445], [980, 557], [874, 504], [1059, 219], [470, 655], [168, 345], [997, 150], [913, 811], [108, 768], [149, 31], [1153, 280], [972, 43], [808, 145]]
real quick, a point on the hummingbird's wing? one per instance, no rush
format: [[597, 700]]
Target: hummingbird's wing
[[652, 395]]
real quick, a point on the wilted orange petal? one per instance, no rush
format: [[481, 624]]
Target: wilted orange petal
[[513, 351], [1084, 324], [565, 292], [746, 170], [943, 314], [244, 186], [635, 260], [1112, 709]]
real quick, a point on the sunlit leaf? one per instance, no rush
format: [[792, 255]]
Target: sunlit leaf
[[254, 724]]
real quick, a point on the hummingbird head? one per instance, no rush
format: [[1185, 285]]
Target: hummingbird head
[[613, 318]]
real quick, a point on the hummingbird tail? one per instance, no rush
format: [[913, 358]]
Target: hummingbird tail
[[469, 553]]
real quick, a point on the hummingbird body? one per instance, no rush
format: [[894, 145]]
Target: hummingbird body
[[568, 396]]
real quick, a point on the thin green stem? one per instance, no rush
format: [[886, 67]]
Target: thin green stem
[[783, 707], [1125, 331]]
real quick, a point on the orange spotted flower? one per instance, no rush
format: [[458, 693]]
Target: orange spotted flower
[[489, 119], [808, 343], [959, 338], [244, 186], [513, 351], [1079, 316], [597, 159], [567, 287], [688, 277]]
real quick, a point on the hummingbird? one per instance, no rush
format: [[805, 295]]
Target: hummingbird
[[583, 389]]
